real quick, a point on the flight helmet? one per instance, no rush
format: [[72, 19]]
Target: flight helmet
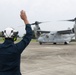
[[10, 33]]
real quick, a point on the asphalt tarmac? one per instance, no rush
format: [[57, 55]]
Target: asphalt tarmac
[[49, 59]]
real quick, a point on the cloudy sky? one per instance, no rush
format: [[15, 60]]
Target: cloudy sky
[[37, 10]]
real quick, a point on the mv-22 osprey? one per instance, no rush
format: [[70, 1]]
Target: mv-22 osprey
[[63, 36]]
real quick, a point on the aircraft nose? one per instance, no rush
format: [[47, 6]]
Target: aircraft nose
[[40, 39]]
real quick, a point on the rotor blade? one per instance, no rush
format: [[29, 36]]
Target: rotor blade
[[36, 22], [33, 24], [67, 20], [72, 20]]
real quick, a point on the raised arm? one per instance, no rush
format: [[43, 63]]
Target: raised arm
[[28, 36], [24, 17]]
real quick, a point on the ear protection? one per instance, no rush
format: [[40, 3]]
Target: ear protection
[[10, 33]]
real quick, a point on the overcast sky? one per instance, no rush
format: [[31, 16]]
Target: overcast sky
[[37, 10]]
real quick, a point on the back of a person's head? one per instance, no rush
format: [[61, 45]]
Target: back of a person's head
[[10, 33]]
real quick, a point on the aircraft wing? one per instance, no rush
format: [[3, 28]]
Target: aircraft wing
[[43, 31], [59, 32], [65, 31]]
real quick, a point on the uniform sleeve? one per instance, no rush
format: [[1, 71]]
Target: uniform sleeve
[[26, 39]]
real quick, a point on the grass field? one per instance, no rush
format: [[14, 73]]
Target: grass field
[[19, 39], [33, 40]]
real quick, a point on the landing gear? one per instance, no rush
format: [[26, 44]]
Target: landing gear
[[40, 43], [65, 43], [54, 43]]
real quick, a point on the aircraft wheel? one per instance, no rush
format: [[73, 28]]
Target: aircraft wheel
[[40, 43], [54, 43], [65, 43]]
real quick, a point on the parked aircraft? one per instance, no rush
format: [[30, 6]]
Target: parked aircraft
[[63, 36]]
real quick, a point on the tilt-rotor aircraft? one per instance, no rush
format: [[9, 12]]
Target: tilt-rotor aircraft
[[63, 36]]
